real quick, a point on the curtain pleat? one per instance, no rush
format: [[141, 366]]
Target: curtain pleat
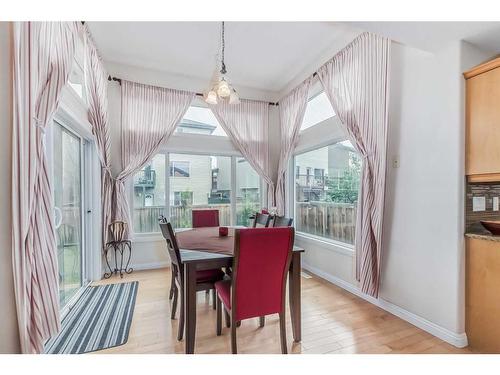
[[96, 85], [149, 117], [43, 58], [356, 81], [292, 109], [247, 126]]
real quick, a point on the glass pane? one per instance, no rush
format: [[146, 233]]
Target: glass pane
[[76, 81], [68, 215], [326, 188], [200, 120], [149, 196], [318, 109], [197, 182], [247, 192]]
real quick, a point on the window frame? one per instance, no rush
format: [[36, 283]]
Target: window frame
[[323, 134]]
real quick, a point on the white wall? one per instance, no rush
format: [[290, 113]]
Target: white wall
[[423, 247], [9, 336]]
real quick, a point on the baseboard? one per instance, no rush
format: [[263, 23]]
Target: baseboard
[[150, 266], [456, 339]]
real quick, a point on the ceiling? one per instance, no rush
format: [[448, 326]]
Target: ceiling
[[259, 55], [270, 56], [432, 36]]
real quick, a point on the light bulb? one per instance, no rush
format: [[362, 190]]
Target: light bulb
[[211, 97], [223, 90], [234, 98]]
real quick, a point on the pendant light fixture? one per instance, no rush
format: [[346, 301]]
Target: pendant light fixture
[[221, 89]]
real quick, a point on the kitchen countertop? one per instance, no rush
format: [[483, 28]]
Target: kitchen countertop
[[483, 236]]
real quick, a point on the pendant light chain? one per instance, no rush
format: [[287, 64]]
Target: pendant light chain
[[223, 65]]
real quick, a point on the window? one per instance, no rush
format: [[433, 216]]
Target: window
[[326, 195], [200, 120], [149, 195], [179, 169], [195, 182], [248, 199], [208, 185], [318, 109]]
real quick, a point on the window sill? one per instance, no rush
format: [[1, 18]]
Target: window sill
[[330, 245]]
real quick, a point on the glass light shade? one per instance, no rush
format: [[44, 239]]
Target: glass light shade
[[223, 90], [211, 97], [234, 98]]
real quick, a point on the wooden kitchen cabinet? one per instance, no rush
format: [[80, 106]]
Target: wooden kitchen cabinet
[[482, 295], [483, 122]]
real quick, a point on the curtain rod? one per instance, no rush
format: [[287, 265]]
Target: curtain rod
[[119, 80]]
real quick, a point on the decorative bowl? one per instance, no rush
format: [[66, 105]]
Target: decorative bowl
[[492, 226]]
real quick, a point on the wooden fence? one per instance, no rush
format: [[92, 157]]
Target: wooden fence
[[146, 218], [336, 221]]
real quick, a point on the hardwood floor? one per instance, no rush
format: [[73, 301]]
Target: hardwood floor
[[333, 321]]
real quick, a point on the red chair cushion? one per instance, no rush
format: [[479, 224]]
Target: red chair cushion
[[223, 289], [205, 218], [204, 276]]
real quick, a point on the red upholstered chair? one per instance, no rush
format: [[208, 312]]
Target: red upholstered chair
[[257, 286], [205, 279], [205, 218]]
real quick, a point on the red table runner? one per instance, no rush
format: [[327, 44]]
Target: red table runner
[[206, 239]]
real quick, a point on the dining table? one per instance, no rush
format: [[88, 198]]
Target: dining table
[[202, 249]]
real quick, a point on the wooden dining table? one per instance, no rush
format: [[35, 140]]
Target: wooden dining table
[[202, 249]]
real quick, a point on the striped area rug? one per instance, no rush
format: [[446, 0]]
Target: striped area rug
[[100, 319]]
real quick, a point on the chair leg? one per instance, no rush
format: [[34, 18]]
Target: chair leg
[[172, 286], [214, 299], [174, 302], [228, 318], [262, 321], [219, 316], [180, 333], [234, 348], [283, 333]]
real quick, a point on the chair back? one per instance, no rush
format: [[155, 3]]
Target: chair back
[[261, 220], [205, 218], [66, 235], [172, 246], [117, 230], [281, 221], [261, 262]]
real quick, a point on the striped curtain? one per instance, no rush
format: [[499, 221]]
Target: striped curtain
[[247, 126], [356, 81], [149, 117], [292, 109], [96, 84], [43, 57]]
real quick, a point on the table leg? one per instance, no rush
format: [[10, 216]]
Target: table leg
[[190, 306], [294, 296]]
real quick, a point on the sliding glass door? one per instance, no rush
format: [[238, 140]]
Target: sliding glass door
[[68, 175]]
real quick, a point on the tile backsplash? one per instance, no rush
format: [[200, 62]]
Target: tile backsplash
[[476, 195]]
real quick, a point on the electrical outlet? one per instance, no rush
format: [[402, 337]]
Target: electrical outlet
[[395, 161]]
